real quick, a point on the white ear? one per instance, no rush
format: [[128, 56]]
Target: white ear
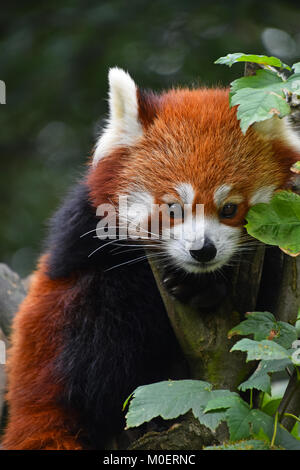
[[123, 127], [282, 129]]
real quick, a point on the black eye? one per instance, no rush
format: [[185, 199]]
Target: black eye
[[229, 210], [175, 210]]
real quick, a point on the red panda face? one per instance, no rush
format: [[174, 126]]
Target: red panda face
[[185, 148]]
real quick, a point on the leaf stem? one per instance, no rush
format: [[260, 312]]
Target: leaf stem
[[275, 430], [292, 416], [262, 396]]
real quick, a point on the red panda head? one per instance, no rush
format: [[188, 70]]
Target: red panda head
[[185, 147]]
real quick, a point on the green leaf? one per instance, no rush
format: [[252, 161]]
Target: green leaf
[[171, 399], [257, 350], [244, 422], [231, 59], [263, 80], [277, 223], [263, 95], [245, 444], [238, 420], [258, 105], [263, 325], [267, 81], [260, 420], [259, 381], [259, 97], [222, 402], [295, 431], [292, 84], [276, 365], [271, 406], [126, 402], [262, 436]]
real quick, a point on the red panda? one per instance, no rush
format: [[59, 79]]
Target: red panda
[[87, 335]]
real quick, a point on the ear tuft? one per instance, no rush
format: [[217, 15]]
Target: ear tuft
[[123, 127], [122, 95]]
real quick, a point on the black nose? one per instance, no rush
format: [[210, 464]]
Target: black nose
[[207, 252]]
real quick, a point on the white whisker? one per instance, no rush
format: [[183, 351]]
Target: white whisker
[[140, 258], [102, 246]]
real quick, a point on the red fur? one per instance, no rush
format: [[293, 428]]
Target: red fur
[[104, 181], [36, 419]]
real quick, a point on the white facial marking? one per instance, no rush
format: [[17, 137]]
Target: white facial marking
[[123, 126], [190, 233], [263, 194], [224, 237], [186, 192], [221, 194]]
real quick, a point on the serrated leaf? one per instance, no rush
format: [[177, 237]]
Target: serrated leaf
[[244, 422], [245, 444], [231, 59], [258, 381], [257, 350], [257, 323], [238, 420], [170, 399], [277, 223], [260, 378], [258, 105], [260, 420], [267, 81], [261, 96], [263, 325], [263, 80], [276, 365], [222, 402]]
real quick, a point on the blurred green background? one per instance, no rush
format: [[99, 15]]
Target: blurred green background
[[54, 60]]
